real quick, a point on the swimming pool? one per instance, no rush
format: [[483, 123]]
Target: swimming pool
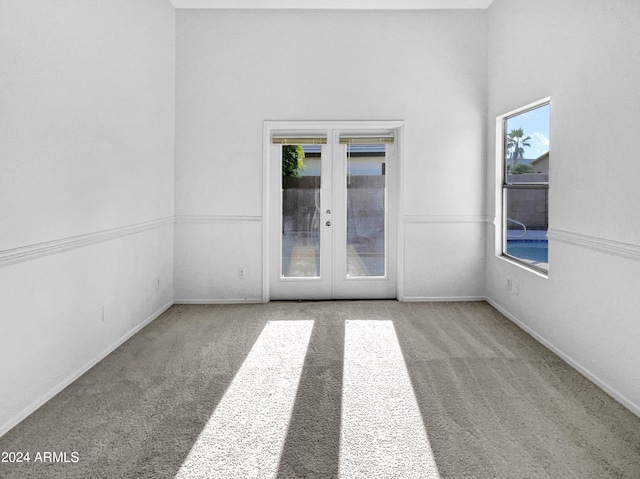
[[533, 250]]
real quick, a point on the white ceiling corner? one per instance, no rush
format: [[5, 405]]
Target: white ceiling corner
[[334, 4]]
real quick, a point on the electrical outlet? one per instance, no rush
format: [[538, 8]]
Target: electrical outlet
[[240, 272], [516, 287], [157, 282]]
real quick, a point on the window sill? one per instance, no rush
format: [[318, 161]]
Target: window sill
[[525, 266]]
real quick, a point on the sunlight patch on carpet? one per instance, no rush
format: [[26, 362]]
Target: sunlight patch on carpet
[[382, 434], [246, 432]]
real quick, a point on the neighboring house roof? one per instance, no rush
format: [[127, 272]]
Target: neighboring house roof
[[544, 156], [533, 161]]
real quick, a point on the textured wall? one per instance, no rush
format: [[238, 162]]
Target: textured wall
[[585, 55], [86, 186], [236, 69]]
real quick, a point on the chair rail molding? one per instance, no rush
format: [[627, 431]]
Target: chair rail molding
[[26, 253], [627, 250], [209, 219], [413, 219]]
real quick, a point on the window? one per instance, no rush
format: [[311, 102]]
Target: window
[[524, 165]]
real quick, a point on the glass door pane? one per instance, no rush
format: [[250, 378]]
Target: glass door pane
[[301, 202], [366, 210]]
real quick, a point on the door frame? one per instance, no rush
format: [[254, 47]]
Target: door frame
[[270, 126]]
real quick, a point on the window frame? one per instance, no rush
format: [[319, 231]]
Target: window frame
[[503, 186]]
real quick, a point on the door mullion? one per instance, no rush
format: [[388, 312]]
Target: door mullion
[[327, 204]]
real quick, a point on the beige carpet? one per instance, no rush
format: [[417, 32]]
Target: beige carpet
[[343, 389]]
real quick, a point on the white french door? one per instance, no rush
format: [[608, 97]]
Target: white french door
[[332, 215]]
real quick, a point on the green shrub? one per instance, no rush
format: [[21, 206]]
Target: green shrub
[[292, 160]]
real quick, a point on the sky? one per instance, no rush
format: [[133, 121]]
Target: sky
[[535, 124]]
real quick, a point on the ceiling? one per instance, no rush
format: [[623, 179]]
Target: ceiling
[[334, 4]]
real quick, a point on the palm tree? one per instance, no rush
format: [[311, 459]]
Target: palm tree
[[516, 144]]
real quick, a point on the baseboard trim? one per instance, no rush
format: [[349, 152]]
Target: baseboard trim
[[440, 299], [406, 299], [220, 301], [22, 415], [630, 405]]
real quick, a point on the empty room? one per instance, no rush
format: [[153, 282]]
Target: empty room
[[319, 239]]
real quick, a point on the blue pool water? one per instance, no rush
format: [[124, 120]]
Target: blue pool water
[[534, 250]]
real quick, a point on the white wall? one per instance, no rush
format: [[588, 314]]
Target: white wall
[[236, 69], [86, 186], [87, 170], [585, 55]]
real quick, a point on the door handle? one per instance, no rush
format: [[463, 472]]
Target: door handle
[[328, 223]]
